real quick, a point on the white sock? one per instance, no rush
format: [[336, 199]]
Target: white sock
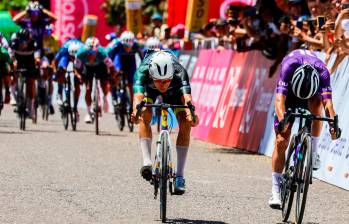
[[182, 152], [276, 178], [88, 108], [13, 91], [314, 144], [146, 150]]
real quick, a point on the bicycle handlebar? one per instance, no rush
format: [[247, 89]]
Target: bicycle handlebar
[[142, 104], [289, 114]]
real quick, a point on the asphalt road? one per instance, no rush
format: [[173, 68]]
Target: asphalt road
[[48, 175]]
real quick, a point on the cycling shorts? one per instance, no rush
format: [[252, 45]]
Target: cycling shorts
[[172, 96], [100, 70]]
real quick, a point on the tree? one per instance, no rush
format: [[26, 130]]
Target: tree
[[15, 5]]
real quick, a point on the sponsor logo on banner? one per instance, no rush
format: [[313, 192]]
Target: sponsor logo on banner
[[196, 14], [70, 16]]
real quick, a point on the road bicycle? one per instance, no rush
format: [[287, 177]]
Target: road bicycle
[[43, 97], [21, 97], [68, 111], [163, 168], [123, 106], [96, 108], [298, 168]]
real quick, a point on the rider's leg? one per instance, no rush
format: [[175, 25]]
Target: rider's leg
[[145, 140], [183, 140], [315, 108], [145, 136], [31, 95], [278, 161], [105, 89], [76, 92], [7, 83]]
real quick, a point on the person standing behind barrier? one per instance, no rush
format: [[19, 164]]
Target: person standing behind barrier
[[304, 83]]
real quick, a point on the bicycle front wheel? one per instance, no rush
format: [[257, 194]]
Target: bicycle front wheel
[[287, 182], [304, 175], [164, 176]]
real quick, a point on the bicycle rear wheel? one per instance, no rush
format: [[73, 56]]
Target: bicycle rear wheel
[[163, 178], [304, 175], [128, 109], [287, 182], [96, 107], [65, 116], [73, 119]]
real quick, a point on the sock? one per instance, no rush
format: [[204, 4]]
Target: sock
[[276, 177], [88, 108], [13, 91], [314, 144], [146, 150], [182, 152], [60, 89]]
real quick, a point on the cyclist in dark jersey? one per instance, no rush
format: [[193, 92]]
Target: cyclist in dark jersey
[[160, 74], [27, 56], [304, 82]]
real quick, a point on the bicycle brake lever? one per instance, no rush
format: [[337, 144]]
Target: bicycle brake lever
[[139, 108]]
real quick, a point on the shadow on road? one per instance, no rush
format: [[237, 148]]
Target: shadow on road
[[41, 131], [12, 132], [188, 221], [233, 151], [295, 223]]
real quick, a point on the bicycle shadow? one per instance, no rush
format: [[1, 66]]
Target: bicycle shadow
[[289, 222], [233, 151], [12, 132], [190, 221]]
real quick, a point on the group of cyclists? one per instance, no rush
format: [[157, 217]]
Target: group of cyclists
[[304, 82]]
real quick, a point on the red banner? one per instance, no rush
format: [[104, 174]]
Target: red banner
[[238, 118], [70, 14], [211, 90], [177, 11]]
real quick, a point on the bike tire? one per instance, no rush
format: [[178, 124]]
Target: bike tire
[[304, 172], [287, 194], [163, 177], [65, 117], [96, 108], [158, 123], [128, 109], [130, 123], [73, 119]]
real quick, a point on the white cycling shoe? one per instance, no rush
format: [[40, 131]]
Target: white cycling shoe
[[316, 161], [275, 200], [88, 119]]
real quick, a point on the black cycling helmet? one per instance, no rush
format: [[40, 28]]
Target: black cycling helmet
[[305, 81], [24, 34], [34, 8]]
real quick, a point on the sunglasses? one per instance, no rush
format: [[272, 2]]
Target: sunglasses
[[162, 81]]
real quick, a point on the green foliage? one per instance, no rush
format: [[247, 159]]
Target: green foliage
[[116, 14], [16, 5]]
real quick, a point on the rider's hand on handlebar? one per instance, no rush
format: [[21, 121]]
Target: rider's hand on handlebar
[[334, 134], [282, 126], [189, 117]]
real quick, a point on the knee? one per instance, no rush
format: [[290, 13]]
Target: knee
[[146, 117], [281, 142]]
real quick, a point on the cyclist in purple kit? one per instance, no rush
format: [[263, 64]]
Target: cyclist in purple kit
[[304, 83]]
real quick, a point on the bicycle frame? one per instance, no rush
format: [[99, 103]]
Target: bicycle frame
[[164, 131]]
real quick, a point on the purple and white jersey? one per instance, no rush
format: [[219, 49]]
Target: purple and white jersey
[[294, 60], [37, 29]]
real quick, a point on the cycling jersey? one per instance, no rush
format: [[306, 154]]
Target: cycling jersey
[[25, 57], [294, 60], [143, 82], [101, 58], [4, 43], [123, 60], [63, 56]]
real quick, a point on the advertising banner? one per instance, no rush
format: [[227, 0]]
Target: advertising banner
[[211, 91], [70, 18], [176, 12], [197, 13]]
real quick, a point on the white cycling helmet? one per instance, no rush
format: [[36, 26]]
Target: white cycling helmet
[[127, 38], [161, 66], [73, 48], [153, 43], [305, 81], [92, 44]]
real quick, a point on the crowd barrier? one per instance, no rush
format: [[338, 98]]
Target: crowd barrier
[[334, 154], [232, 94]]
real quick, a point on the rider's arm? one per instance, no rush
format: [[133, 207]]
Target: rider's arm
[[139, 83], [20, 16], [280, 107], [50, 15], [329, 109]]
